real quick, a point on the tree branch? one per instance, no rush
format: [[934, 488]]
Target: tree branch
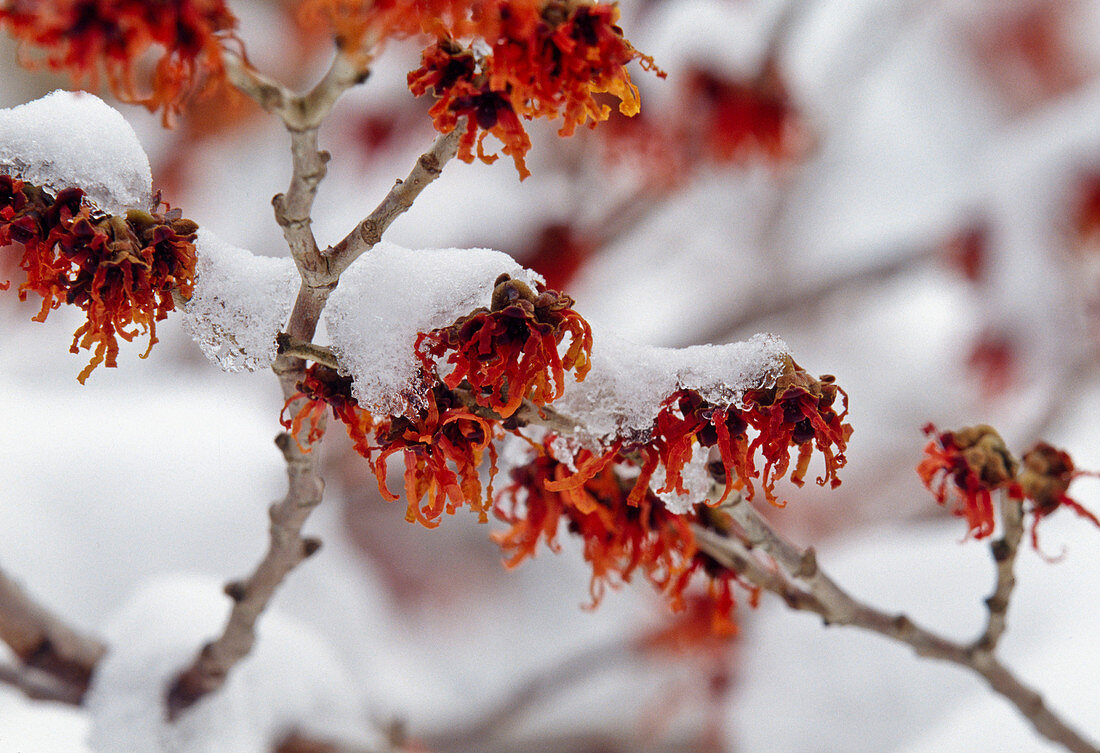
[[320, 275], [42, 642], [368, 232], [820, 594]]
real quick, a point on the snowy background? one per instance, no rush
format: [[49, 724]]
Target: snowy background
[[125, 504]]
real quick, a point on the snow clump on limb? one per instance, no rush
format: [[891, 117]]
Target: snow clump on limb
[[241, 302], [76, 140], [389, 296]]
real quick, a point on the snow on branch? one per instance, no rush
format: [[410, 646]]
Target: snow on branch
[[390, 295], [74, 139], [241, 302]]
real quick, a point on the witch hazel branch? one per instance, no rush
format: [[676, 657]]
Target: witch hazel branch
[[460, 377]]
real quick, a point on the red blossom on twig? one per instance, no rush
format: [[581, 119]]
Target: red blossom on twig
[[967, 466], [509, 352], [441, 435], [1044, 478], [545, 60], [971, 463], [121, 271], [620, 537], [323, 387], [84, 37]]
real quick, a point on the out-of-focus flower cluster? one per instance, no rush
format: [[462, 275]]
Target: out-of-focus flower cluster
[[121, 271], [538, 59], [90, 37], [965, 467]]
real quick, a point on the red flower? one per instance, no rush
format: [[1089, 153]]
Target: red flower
[[968, 465], [441, 435], [451, 73], [323, 387], [798, 411], [1044, 479], [620, 537], [121, 271], [80, 36], [510, 352], [740, 120], [544, 60]]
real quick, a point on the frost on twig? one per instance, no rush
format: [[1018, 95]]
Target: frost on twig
[[75, 139], [241, 301]]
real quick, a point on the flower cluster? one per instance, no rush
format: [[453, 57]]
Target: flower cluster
[[796, 412], [442, 444], [544, 60], [121, 271], [84, 37], [968, 465], [620, 536], [737, 120], [509, 352]]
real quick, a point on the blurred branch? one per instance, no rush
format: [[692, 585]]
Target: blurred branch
[[771, 302], [38, 686], [805, 586], [43, 643]]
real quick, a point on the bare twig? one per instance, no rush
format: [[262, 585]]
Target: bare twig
[[307, 351], [810, 589], [1004, 555], [39, 686], [368, 232], [42, 642]]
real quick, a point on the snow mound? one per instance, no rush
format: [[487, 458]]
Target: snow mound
[[392, 293], [241, 302], [290, 681], [623, 392], [75, 139]]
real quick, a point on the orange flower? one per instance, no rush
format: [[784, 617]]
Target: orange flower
[[441, 435], [544, 60], [321, 387], [121, 271], [510, 352], [620, 538], [81, 36], [968, 465]]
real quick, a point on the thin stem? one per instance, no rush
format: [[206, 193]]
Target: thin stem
[[368, 232], [1004, 552]]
